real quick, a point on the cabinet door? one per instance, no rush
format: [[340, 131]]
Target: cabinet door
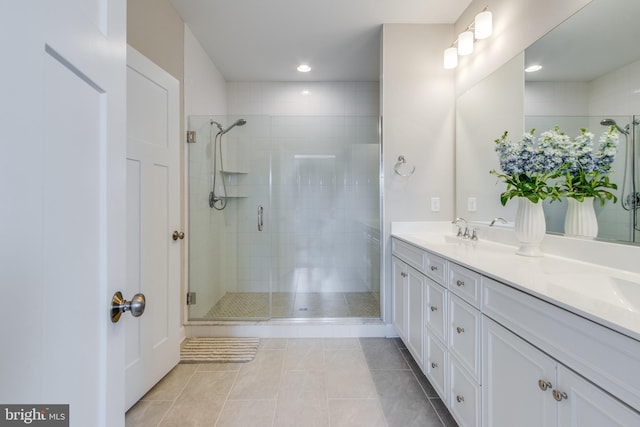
[[436, 365], [415, 324], [464, 335], [435, 309], [399, 292], [511, 375], [586, 405]]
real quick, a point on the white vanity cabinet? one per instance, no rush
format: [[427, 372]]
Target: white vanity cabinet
[[525, 387], [464, 345], [544, 366], [408, 293], [499, 356]]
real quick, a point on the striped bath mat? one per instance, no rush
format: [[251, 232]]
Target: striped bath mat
[[204, 350]]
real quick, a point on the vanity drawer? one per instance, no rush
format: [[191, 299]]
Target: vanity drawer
[[413, 256], [436, 268], [464, 335], [464, 397], [465, 283], [435, 309], [605, 357], [435, 367]]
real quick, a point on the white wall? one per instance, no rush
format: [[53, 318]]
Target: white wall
[[418, 112]]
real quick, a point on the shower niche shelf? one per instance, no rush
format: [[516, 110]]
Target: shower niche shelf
[[235, 180]]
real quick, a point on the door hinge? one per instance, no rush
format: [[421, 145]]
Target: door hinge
[[191, 137], [191, 298]]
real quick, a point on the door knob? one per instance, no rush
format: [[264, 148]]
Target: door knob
[[177, 235], [119, 305]]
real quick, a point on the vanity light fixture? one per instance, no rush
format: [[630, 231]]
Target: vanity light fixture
[[480, 28], [533, 68], [303, 68]]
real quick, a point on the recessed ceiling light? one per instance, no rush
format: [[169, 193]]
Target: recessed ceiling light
[[304, 68], [305, 92], [533, 68]]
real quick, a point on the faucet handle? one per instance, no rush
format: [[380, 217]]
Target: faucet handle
[[474, 234], [459, 234], [466, 233]]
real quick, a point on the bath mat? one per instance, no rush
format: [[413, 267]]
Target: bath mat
[[207, 350]]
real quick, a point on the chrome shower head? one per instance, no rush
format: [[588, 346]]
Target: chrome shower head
[[239, 122], [611, 122]]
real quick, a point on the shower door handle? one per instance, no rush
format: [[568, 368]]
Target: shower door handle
[[260, 223]]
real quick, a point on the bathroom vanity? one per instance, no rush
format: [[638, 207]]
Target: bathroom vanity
[[509, 341]]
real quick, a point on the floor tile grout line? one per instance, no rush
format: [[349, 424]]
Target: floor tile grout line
[[226, 399], [424, 391], [175, 399]]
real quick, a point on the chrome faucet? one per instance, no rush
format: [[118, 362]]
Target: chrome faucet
[[464, 235], [502, 220]]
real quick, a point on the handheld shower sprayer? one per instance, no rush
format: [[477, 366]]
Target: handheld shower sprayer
[[611, 122], [239, 122]]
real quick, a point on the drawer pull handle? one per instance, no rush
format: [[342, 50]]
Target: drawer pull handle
[[544, 385], [434, 365], [434, 308], [460, 399], [433, 268], [460, 283], [459, 330], [559, 395]]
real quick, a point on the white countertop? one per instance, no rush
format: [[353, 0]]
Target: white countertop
[[608, 296]]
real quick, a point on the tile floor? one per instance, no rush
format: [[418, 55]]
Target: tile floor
[[255, 305], [303, 382]]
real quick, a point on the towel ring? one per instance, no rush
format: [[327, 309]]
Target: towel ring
[[398, 166]]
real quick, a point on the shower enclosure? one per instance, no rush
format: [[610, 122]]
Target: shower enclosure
[[284, 217], [616, 221]]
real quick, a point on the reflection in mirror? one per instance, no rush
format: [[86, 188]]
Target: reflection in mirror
[[591, 72]]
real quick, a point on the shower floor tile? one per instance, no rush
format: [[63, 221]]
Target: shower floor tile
[[255, 305], [294, 382]]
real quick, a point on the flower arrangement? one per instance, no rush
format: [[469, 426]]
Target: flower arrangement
[[526, 167], [554, 165], [586, 167]]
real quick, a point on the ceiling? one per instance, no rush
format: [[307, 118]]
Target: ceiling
[[265, 40]]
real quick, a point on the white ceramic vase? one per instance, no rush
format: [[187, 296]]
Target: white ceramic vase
[[530, 227], [581, 218]]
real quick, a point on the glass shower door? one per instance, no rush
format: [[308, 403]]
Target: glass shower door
[[229, 240]]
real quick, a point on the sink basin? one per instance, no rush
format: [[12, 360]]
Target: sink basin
[[615, 291]]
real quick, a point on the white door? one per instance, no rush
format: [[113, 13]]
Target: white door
[[62, 206], [153, 214]]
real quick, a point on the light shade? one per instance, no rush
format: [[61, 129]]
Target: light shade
[[465, 43], [483, 25], [450, 58]]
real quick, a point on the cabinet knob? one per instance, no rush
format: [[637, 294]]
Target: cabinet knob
[[434, 365], [403, 274], [433, 268], [459, 330], [459, 398], [434, 308], [460, 282], [559, 395], [544, 385]]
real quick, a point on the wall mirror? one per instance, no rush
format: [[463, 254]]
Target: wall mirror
[[590, 73]]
